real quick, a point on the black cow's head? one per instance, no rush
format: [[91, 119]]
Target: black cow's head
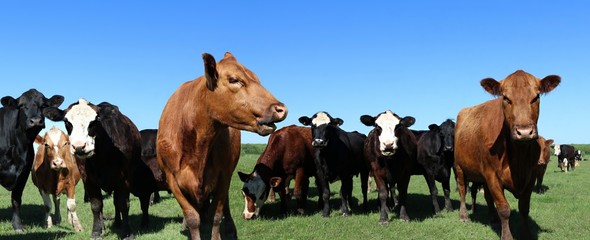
[[31, 105], [446, 132], [386, 125], [322, 127]]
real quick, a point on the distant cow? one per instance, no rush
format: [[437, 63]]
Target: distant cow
[[543, 161], [339, 156], [496, 144], [107, 148], [436, 155], [390, 148], [21, 120], [148, 155], [288, 154], [198, 144], [55, 172], [566, 157]]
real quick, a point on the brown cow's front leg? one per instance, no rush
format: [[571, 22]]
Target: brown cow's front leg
[[461, 185], [71, 204], [524, 204], [502, 206], [300, 190]]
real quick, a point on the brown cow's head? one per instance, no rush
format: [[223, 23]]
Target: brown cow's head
[[56, 149], [545, 150], [520, 93], [237, 99], [385, 125]]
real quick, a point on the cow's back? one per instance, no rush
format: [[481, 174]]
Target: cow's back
[[477, 138]]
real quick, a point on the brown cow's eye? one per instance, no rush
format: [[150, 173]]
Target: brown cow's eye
[[507, 100], [535, 99]]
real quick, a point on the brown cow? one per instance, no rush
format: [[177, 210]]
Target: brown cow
[[288, 154], [496, 144], [55, 172], [543, 162], [198, 143]]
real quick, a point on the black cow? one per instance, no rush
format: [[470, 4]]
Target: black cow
[[435, 155], [339, 155], [107, 147], [21, 120], [148, 155], [566, 156], [390, 148]]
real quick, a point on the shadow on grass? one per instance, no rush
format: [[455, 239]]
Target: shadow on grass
[[47, 235], [31, 215]]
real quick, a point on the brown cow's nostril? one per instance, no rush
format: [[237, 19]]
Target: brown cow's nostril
[[281, 111]]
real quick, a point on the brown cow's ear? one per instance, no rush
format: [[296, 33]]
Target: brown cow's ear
[[305, 120], [210, 71], [369, 121], [492, 86], [549, 83], [275, 181], [228, 55], [549, 142], [55, 101]]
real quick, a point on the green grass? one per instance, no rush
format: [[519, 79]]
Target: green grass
[[560, 213]]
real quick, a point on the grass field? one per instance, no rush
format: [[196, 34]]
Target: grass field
[[561, 213]]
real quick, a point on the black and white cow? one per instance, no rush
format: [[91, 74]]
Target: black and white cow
[[339, 155], [107, 148], [390, 148], [566, 157], [21, 120], [436, 156]]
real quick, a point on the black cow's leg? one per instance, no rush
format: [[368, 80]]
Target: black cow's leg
[[144, 202], [447, 191], [123, 202], [345, 195], [403, 194], [96, 204], [283, 195], [16, 199], [117, 221], [433, 191], [383, 196], [365, 187]]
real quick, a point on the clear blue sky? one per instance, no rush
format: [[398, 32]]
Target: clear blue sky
[[418, 58]]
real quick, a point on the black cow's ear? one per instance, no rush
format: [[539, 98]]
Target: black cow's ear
[[368, 120], [55, 101], [305, 120], [54, 114], [337, 121], [408, 121], [433, 127], [210, 71], [9, 102], [244, 177], [492, 86]]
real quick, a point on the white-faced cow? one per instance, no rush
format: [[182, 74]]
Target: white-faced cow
[[566, 157], [436, 156], [107, 148], [198, 144], [390, 148], [55, 172], [288, 154], [21, 120], [339, 156], [496, 144]]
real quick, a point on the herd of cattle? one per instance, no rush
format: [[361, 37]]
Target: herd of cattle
[[193, 154]]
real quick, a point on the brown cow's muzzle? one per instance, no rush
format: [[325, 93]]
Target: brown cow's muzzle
[[525, 133], [57, 164], [276, 113]]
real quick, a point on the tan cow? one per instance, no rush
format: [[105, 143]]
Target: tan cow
[[198, 144], [55, 172], [496, 144]]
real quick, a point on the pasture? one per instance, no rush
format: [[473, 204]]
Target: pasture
[[560, 213]]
